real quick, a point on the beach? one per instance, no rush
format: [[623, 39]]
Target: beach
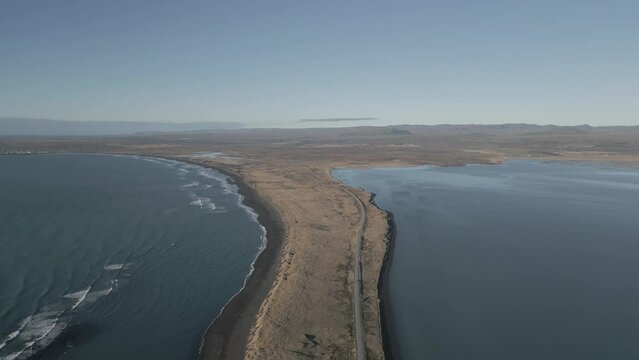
[[307, 257], [131, 246], [227, 336]]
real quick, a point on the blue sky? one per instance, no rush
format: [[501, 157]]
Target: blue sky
[[271, 63]]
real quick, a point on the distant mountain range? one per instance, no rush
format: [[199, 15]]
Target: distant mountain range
[[339, 119], [46, 127]]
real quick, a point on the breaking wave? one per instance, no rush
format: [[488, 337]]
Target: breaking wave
[[204, 204], [35, 332], [114, 267]]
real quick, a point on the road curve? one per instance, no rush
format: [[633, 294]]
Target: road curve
[[360, 345]]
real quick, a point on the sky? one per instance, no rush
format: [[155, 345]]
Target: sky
[[274, 63]]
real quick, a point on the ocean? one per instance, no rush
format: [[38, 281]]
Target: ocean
[[527, 260], [117, 257]]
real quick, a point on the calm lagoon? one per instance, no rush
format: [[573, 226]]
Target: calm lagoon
[[525, 260]]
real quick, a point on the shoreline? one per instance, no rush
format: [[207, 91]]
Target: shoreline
[[279, 178], [389, 334], [227, 335]]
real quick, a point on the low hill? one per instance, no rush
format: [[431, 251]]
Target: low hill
[[46, 127]]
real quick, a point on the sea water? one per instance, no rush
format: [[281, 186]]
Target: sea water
[[117, 257], [525, 260]]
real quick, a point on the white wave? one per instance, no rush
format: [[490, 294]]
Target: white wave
[[112, 267], [14, 355], [208, 204], [95, 295], [264, 242], [80, 295], [227, 188], [40, 325], [15, 334], [117, 266], [193, 184], [249, 210], [37, 331], [204, 204], [9, 337]]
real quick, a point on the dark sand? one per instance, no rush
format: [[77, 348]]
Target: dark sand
[[389, 336], [227, 336]]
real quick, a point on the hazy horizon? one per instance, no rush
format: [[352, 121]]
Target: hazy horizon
[[295, 124], [275, 64], [11, 126]]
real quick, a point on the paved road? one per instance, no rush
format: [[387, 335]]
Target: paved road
[[360, 345]]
